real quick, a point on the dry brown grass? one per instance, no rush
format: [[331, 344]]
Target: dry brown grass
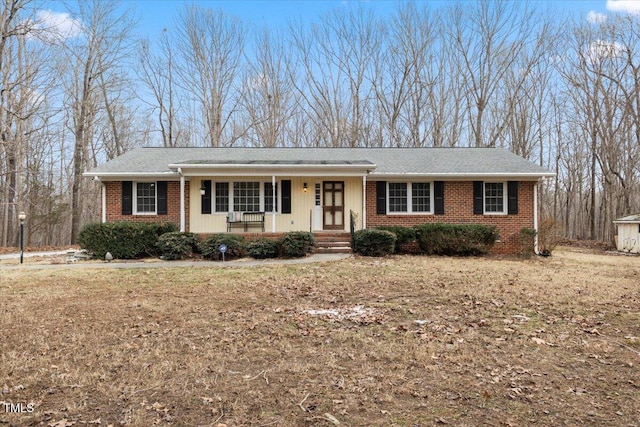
[[498, 342]]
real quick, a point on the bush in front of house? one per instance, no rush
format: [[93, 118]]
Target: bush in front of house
[[374, 242], [456, 239], [296, 244], [263, 248], [177, 245], [404, 235], [236, 246], [124, 240]]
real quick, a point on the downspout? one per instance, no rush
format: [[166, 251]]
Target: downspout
[[535, 216], [364, 201], [182, 214], [273, 205]]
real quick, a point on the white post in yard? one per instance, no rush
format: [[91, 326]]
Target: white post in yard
[[273, 205]]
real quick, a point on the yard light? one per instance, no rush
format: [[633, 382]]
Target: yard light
[[22, 216]]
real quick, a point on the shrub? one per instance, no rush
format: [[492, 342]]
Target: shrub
[[263, 248], [125, 240], [404, 235], [177, 245], [456, 239], [374, 242], [296, 244], [527, 242], [236, 247]]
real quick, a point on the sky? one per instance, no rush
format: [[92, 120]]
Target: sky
[[155, 15]]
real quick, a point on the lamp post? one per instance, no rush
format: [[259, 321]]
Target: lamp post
[[22, 216]]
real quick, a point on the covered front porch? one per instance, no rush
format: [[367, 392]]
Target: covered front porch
[[312, 198]]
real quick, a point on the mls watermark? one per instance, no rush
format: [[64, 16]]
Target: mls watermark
[[17, 408]]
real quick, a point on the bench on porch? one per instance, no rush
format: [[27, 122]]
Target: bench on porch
[[245, 219]]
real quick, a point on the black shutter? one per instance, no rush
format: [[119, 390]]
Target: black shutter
[[438, 194], [161, 197], [512, 193], [286, 196], [381, 197], [478, 198], [205, 199], [127, 197]]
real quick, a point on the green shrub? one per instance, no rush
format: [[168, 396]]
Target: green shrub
[[527, 242], [374, 242], [456, 239], [236, 247], [296, 244], [177, 245], [263, 248], [403, 234], [125, 240]]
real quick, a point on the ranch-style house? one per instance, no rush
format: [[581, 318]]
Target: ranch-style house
[[276, 190]]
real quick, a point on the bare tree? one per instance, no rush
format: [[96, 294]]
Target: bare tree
[[268, 96], [95, 60], [211, 45]]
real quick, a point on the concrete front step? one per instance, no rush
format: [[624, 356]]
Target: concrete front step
[[333, 250]]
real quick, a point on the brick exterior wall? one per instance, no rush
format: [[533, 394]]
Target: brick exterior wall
[[114, 205], [458, 208]]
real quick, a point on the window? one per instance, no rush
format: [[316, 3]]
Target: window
[[397, 197], [222, 197], [145, 197], [409, 197], [246, 196], [420, 197], [494, 196], [268, 197]]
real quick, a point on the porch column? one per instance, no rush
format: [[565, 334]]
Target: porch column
[[182, 215], [104, 203], [364, 201], [535, 216], [273, 205]]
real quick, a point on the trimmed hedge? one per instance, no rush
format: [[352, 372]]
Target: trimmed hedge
[[296, 244], [177, 245], [263, 248], [403, 234], [456, 239], [527, 242], [374, 242], [236, 246], [125, 240]]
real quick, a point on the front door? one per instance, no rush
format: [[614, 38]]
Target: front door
[[333, 205]]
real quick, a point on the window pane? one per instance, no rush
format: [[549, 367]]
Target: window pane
[[397, 197], [146, 197], [493, 197], [268, 197], [222, 196], [246, 196], [420, 197]]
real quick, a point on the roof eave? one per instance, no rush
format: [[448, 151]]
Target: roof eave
[[466, 176]]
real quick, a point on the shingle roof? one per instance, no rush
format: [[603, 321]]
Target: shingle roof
[[381, 161]]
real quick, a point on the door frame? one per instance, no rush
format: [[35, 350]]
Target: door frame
[[332, 208]]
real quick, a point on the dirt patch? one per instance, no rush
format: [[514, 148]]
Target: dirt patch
[[399, 341]]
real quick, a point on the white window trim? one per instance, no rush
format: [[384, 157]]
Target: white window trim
[[410, 198], [505, 198], [134, 198], [262, 196]]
